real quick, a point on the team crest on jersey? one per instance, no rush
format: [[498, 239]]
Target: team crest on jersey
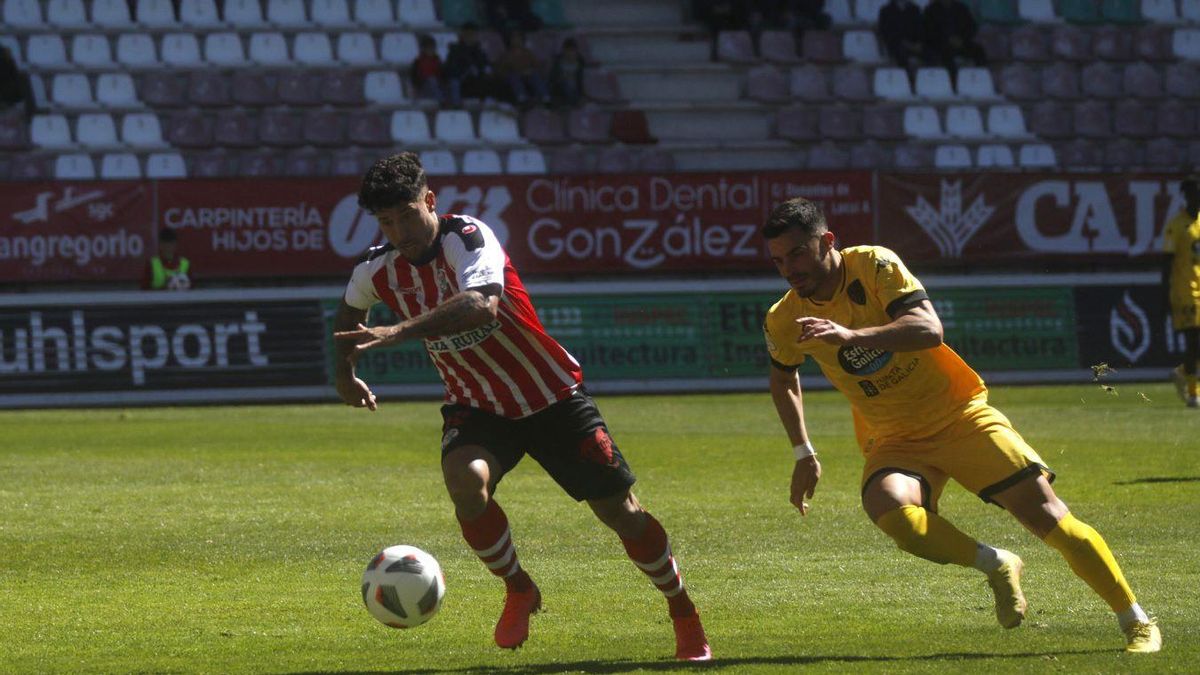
[[443, 283], [861, 360], [469, 229]]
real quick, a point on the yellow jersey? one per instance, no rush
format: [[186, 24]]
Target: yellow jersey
[[1181, 238], [894, 395]]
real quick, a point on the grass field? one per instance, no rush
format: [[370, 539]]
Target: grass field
[[232, 539]]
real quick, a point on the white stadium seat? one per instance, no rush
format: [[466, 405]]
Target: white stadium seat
[[181, 50], [934, 84], [999, 156], [383, 87], [111, 14], [224, 49], [71, 90], [892, 84], [313, 49], [66, 14], [1037, 11], [199, 13], [117, 166], [136, 50], [498, 127], [116, 90], [331, 13], [269, 49], [1037, 155], [244, 14], [142, 130], [50, 131], [398, 49], [526, 161], [24, 14], [952, 157], [373, 13], [89, 50], [96, 130], [156, 14], [410, 126], [74, 167], [964, 121], [860, 46], [165, 165], [1006, 121], [46, 51], [454, 126], [439, 163], [356, 49], [481, 162], [921, 121], [417, 14], [976, 84], [287, 13]]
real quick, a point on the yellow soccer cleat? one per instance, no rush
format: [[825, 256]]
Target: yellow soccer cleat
[[1143, 637], [1005, 581]]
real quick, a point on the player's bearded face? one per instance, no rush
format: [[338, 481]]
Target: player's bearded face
[[411, 228], [803, 259]]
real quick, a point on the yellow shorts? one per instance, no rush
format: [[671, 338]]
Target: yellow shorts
[[980, 450], [1185, 314]]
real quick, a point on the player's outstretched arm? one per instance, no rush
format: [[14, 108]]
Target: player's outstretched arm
[[789, 404], [463, 311], [352, 390], [912, 327]]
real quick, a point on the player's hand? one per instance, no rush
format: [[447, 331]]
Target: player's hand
[[355, 392], [805, 475], [368, 338], [812, 328]]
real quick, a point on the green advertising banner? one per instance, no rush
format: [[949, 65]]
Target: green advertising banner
[[688, 336]]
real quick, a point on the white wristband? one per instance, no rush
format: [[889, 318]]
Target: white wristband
[[804, 450]]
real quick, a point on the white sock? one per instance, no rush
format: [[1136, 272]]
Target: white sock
[[1129, 616], [987, 559]]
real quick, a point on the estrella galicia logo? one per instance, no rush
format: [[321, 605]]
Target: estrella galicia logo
[[861, 360], [1129, 329]]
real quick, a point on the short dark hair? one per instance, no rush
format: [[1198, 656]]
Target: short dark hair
[[392, 181], [167, 234], [797, 212], [1192, 179]]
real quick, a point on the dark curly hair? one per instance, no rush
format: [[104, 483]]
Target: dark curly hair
[[797, 212], [392, 181]]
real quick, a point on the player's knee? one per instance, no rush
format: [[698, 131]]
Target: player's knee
[[466, 482]]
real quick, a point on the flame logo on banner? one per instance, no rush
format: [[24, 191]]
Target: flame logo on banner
[[1129, 329], [949, 226]]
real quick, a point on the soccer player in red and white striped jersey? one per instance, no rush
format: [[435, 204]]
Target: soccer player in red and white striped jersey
[[511, 389]]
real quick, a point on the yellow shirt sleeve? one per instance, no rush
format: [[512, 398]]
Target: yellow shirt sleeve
[[779, 331], [1170, 233], [895, 287]]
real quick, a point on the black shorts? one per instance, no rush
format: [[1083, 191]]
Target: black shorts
[[569, 439]]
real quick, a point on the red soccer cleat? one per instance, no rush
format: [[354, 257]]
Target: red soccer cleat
[[691, 644], [513, 627]]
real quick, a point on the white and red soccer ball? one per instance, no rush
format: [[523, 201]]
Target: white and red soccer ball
[[403, 587]]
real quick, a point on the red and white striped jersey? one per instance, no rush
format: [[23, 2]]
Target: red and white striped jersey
[[510, 367]]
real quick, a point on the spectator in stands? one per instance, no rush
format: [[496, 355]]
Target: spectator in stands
[[468, 71], [506, 16], [950, 35], [426, 70], [523, 71], [794, 15], [566, 75], [903, 34], [167, 270], [1181, 241], [15, 87]]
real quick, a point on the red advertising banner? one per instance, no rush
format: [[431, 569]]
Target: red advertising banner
[[1001, 218], [581, 224], [66, 231]]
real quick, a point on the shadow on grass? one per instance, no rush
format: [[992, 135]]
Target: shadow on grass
[[1159, 479], [715, 664]]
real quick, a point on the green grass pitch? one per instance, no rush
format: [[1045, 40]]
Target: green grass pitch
[[232, 539]]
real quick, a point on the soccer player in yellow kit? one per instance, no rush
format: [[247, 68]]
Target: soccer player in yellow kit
[[1181, 240], [921, 416]]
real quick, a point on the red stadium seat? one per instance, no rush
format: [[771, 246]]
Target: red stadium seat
[[822, 47], [809, 83], [1100, 80], [1093, 120], [1175, 119], [190, 130], [1142, 80], [589, 125], [797, 123], [162, 90], [1061, 81], [1112, 43], [254, 88], [208, 88], [885, 123], [324, 128], [235, 129], [853, 83], [840, 123], [1018, 81], [778, 46], [1030, 43], [631, 126], [768, 84], [827, 155], [1133, 119], [1071, 43], [1050, 119], [300, 87], [870, 155], [280, 128], [368, 128]]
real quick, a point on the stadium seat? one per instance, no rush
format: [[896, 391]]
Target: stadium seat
[[356, 49], [1100, 80], [46, 52], [253, 88], [768, 84], [601, 85], [1123, 154], [347, 162], [921, 121], [1182, 80], [269, 49], [235, 129], [383, 87], [368, 128], [870, 155], [50, 131], [839, 123], [76, 166], [615, 159], [778, 46], [112, 14], [71, 90], [839, 12], [1061, 81], [13, 46], [544, 127], [190, 130], [964, 121], [312, 49], [136, 51], [1037, 11], [454, 126], [96, 130], [892, 84], [180, 50], [1036, 156], [1019, 82], [570, 161], [410, 127], [331, 13], [976, 84], [69, 14], [374, 13], [24, 14], [1003, 12], [343, 88], [280, 128], [498, 127], [994, 157], [1092, 120], [525, 161], [306, 162], [1160, 11], [1165, 154], [655, 160], [867, 11], [418, 14], [933, 84], [1175, 119], [1071, 43], [199, 14], [90, 50], [224, 50], [116, 90], [244, 14], [287, 14], [797, 123], [1153, 43], [735, 46], [165, 165], [860, 46], [481, 162], [1030, 43], [439, 162], [444, 39], [827, 156], [948, 157], [38, 86], [208, 88], [27, 166], [1185, 44], [820, 46], [589, 125], [299, 87], [120, 166], [1112, 43], [164, 90], [14, 136], [632, 127], [398, 49], [1006, 121], [995, 42], [1133, 119], [324, 128], [809, 83], [1080, 11], [142, 130], [156, 14], [260, 164], [1052, 120], [1189, 11], [883, 123], [851, 83]]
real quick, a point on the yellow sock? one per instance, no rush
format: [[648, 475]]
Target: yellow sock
[[1090, 559], [1191, 385], [927, 535]]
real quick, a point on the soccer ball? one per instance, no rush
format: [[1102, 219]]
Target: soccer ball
[[403, 587]]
